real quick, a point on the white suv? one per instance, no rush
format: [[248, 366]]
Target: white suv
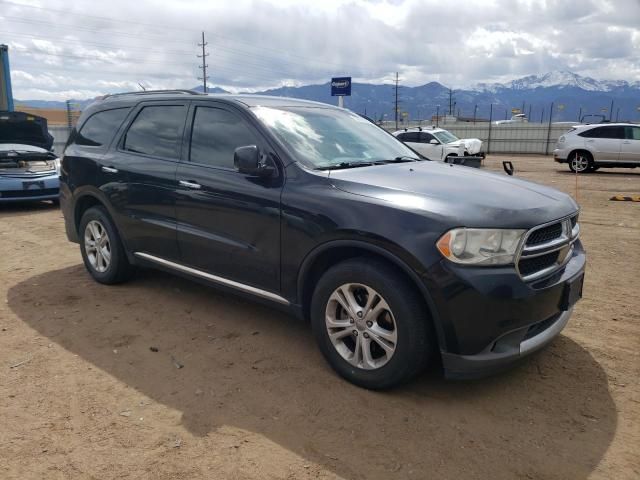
[[588, 147], [438, 144]]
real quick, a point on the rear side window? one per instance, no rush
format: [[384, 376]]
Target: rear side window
[[604, 132], [157, 130], [633, 133], [413, 137], [100, 128], [215, 136]]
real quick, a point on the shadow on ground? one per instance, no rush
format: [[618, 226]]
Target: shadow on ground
[[16, 209], [252, 367]]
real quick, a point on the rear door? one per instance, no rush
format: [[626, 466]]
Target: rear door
[[604, 142], [412, 139], [630, 151], [228, 222], [150, 151]]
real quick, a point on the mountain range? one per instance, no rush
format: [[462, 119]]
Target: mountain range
[[573, 95]]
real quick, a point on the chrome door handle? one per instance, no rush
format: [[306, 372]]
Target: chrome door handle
[[193, 185], [627, 142], [109, 170]]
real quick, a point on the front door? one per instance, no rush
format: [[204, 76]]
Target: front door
[[432, 147], [228, 222], [630, 151], [605, 143]]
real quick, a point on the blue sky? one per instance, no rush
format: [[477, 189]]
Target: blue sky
[[77, 49]]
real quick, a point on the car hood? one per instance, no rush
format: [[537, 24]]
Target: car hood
[[26, 129], [452, 193], [472, 145]]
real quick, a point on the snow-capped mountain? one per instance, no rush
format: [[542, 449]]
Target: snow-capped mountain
[[572, 94], [560, 79]]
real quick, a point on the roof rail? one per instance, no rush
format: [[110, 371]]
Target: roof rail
[[151, 92]]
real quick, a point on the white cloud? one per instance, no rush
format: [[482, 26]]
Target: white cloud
[[67, 46]]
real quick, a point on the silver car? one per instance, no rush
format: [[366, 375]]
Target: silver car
[[29, 170], [588, 147]]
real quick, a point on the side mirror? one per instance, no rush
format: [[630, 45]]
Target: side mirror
[[433, 141], [247, 161]]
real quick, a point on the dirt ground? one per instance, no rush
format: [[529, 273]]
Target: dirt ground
[[82, 395]]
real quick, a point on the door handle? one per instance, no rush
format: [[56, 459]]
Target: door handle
[[193, 185], [627, 142], [109, 169]]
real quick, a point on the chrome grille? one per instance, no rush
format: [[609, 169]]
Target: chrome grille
[[547, 248]]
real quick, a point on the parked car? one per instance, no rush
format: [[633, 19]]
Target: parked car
[[515, 119], [28, 168], [438, 144], [394, 260], [586, 148]]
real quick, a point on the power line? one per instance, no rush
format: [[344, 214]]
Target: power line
[[173, 27], [204, 64]]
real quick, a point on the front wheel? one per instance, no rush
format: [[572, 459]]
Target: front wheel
[[580, 162], [371, 324]]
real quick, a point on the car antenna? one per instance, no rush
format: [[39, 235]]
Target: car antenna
[[142, 87]]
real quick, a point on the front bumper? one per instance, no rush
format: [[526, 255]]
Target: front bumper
[[560, 155], [488, 318], [506, 350], [24, 188]]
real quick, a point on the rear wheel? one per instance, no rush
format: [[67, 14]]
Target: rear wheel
[[102, 251], [580, 162], [370, 324]]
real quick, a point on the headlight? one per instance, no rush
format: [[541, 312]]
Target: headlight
[[58, 165], [479, 246]]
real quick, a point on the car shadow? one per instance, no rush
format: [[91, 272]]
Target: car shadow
[[604, 172], [255, 368], [16, 209]]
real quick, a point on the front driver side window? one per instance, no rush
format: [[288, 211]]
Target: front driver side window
[[215, 136], [426, 137]]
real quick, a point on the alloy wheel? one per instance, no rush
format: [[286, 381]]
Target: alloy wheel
[[97, 246], [361, 326], [579, 163]]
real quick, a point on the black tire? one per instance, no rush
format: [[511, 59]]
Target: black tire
[[415, 341], [118, 269], [580, 162]]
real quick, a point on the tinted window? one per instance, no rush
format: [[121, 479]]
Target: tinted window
[[411, 137], [604, 132], [633, 133], [157, 131], [101, 127], [215, 136], [426, 137]]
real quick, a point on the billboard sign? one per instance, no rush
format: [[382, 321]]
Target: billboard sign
[[341, 86]]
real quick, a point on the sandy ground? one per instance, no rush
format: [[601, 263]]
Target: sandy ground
[[82, 395]]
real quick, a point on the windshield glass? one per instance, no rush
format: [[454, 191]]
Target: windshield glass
[[445, 137], [327, 137]]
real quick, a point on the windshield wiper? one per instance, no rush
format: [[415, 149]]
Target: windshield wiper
[[343, 165], [402, 159]]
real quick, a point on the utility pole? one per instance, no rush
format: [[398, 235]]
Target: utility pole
[[396, 102], [450, 102], [611, 111], [204, 64], [69, 115]]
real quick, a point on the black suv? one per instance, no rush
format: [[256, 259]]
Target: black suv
[[396, 260]]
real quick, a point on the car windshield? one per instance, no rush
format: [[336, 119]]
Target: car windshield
[[327, 137], [445, 137]]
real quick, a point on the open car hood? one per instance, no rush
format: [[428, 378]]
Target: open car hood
[[25, 129]]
